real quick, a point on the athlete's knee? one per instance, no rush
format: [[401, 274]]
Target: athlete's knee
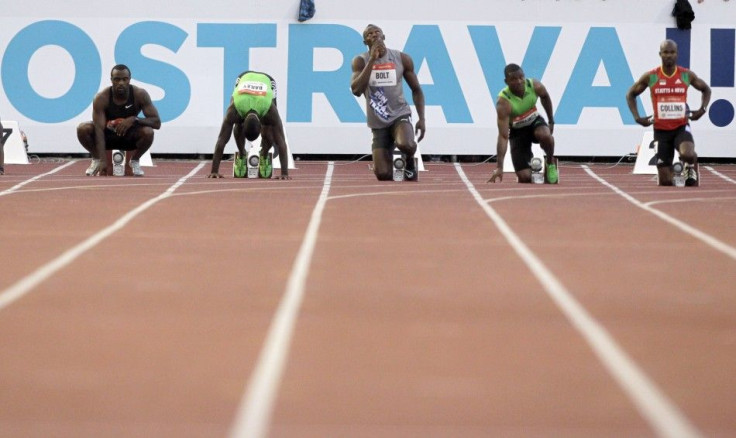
[[546, 141], [524, 176], [688, 155], [409, 147], [85, 129], [147, 133]]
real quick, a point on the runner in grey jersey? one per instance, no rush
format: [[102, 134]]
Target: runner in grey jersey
[[378, 74]]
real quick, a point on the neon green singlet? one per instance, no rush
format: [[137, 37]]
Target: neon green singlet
[[523, 109], [253, 92]]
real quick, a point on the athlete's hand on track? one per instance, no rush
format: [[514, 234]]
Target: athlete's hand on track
[[497, 174]]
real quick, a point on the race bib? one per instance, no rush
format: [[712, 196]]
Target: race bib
[[252, 87], [671, 110], [383, 75], [525, 119]]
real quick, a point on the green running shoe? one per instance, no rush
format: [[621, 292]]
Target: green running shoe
[[239, 168], [552, 174], [265, 166]]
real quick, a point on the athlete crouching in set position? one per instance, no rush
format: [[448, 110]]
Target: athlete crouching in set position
[[377, 74], [520, 123], [115, 124], [668, 86], [252, 112]]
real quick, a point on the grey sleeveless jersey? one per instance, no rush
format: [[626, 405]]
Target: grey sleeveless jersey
[[384, 96]]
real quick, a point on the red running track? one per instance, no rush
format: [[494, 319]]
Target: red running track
[[333, 305]]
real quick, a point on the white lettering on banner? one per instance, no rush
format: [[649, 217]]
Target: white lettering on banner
[[383, 75], [586, 60], [252, 87]]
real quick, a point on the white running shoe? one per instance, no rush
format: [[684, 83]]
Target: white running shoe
[[135, 165], [692, 177], [93, 167]]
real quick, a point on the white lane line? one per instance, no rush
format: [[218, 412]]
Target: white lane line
[[720, 175], [26, 284], [256, 407], [703, 237], [662, 415], [35, 178]]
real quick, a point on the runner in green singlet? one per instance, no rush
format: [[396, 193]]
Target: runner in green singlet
[[520, 124], [252, 112]]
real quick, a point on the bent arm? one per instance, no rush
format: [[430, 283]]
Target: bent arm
[[546, 100], [99, 120], [361, 75], [635, 90], [704, 89], [503, 110], [223, 137], [150, 113]]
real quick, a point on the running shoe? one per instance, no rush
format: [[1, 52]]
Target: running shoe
[[239, 168], [93, 167], [692, 177], [552, 174], [265, 166], [135, 166]]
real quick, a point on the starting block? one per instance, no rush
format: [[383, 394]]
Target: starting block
[[538, 165], [679, 175], [254, 158], [537, 170], [16, 145], [256, 146], [508, 163], [399, 164], [112, 162]]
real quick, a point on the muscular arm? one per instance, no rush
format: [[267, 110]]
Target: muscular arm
[[362, 70], [546, 100], [361, 75], [417, 94], [503, 110], [99, 119], [635, 90], [704, 89], [226, 129], [150, 113]]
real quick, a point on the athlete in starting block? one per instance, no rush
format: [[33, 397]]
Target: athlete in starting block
[[668, 85], [520, 124], [252, 113]]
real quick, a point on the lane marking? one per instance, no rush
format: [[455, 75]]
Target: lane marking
[[662, 415], [36, 178], [720, 175], [703, 237], [27, 283], [255, 410]]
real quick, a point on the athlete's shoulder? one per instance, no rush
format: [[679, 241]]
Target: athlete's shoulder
[[505, 93]]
